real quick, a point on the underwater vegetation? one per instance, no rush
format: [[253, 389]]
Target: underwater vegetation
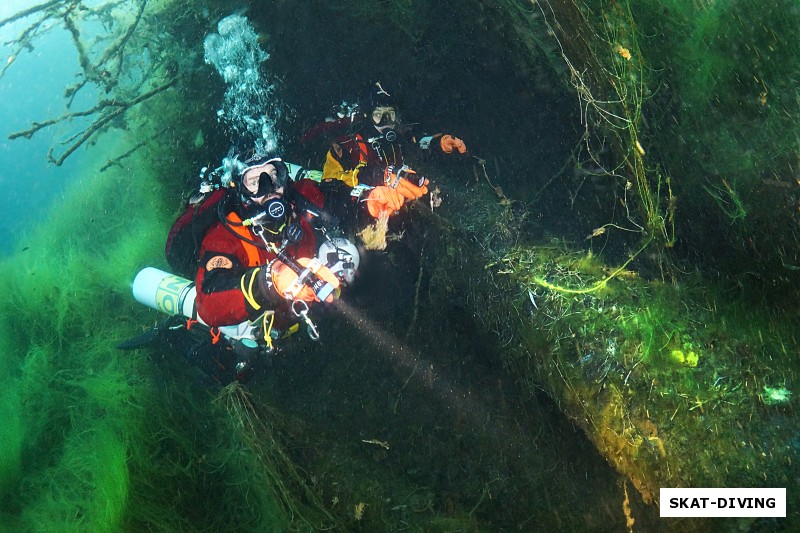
[[675, 385], [71, 402], [97, 439], [721, 95]]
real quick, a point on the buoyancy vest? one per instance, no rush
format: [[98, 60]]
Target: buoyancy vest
[[185, 238], [250, 249]]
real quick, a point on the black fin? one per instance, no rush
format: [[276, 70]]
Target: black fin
[[150, 336]]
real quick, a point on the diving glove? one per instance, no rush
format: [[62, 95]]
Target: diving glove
[[384, 199], [449, 143], [401, 181], [296, 286]]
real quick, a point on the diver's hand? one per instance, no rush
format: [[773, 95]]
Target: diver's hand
[[449, 143], [286, 283], [384, 199], [411, 191], [404, 186]]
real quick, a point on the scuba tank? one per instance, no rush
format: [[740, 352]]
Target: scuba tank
[[235, 358], [175, 296]]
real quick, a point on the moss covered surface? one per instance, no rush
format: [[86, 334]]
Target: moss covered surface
[[675, 384]]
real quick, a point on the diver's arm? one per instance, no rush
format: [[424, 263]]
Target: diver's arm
[[441, 143], [222, 297], [220, 300]]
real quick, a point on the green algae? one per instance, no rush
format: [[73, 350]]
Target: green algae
[[91, 440]]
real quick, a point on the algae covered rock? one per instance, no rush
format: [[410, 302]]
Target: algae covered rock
[[668, 381]]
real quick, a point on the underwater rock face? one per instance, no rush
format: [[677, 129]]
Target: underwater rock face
[[666, 382]]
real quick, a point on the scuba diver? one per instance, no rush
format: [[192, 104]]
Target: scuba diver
[[265, 246], [240, 272], [370, 137]]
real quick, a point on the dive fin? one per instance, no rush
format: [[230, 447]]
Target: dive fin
[[148, 337]]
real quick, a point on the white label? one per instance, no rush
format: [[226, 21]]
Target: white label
[[723, 502]]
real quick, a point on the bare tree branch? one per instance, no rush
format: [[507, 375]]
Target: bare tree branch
[[116, 160], [30, 11], [40, 125], [100, 71], [47, 11], [104, 67], [105, 119], [118, 47]]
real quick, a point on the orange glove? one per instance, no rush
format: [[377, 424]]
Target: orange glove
[[411, 191], [404, 186], [284, 278], [382, 199], [450, 143]]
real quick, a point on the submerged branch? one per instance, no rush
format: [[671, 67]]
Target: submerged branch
[[100, 71], [117, 48], [101, 122], [101, 65], [30, 11], [47, 11], [36, 126], [116, 160]]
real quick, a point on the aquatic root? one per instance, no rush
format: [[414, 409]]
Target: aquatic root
[[626, 508], [285, 479], [374, 235]]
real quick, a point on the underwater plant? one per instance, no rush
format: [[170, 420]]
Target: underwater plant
[[775, 395]]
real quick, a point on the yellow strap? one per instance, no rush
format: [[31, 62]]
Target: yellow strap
[[314, 265], [268, 329], [248, 291], [291, 331], [250, 249]]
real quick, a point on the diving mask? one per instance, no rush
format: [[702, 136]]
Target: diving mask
[[384, 116], [263, 178]]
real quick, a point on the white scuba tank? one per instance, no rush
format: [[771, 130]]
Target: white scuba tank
[[175, 295]]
